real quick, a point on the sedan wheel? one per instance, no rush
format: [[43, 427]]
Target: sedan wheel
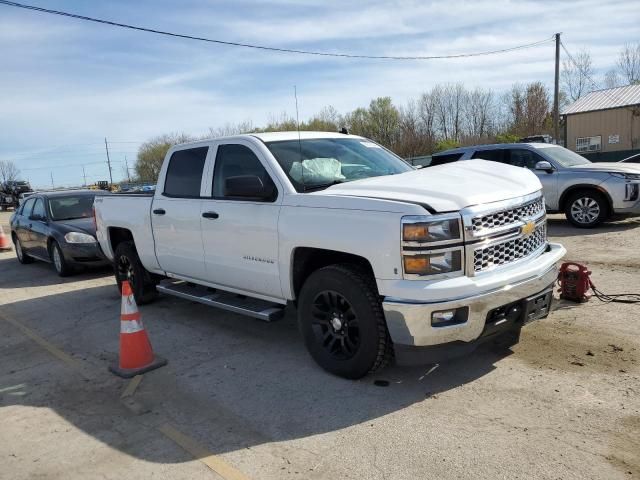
[[586, 209], [59, 262], [22, 256]]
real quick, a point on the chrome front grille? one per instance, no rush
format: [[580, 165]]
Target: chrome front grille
[[510, 216], [497, 254]]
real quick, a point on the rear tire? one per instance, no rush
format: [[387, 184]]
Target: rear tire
[[341, 319], [586, 208], [23, 258], [127, 266]]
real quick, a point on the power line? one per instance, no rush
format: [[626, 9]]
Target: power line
[[586, 75], [263, 47]]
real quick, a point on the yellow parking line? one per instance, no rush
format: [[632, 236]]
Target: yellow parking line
[[131, 388], [52, 349], [212, 461]]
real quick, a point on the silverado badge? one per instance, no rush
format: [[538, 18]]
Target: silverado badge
[[528, 228]]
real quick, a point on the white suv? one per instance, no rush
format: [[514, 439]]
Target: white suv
[[588, 193]]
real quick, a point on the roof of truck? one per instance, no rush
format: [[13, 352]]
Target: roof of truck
[[280, 136]]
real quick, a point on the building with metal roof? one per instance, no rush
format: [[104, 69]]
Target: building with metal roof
[[604, 125]]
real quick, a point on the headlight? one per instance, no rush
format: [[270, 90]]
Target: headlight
[[626, 176], [433, 263], [434, 229], [77, 237]]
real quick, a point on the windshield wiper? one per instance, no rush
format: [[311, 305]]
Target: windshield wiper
[[320, 186]]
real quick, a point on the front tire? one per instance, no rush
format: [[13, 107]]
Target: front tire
[[128, 267], [341, 319], [586, 208], [63, 269]]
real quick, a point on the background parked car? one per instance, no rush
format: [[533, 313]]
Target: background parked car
[[588, 193], [59, 228], [632, 159]]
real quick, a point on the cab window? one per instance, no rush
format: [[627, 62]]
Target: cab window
[[233, 160], [184, 173]]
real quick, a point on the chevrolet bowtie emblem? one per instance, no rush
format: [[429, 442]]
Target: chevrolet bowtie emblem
[[528, 228]]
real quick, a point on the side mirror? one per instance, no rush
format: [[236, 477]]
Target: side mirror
[[249, 187], [544, 165]]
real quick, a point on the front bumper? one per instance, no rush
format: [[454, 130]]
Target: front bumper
[[88, 254], [409, 321]]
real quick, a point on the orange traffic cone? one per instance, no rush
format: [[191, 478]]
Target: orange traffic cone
[[5, 244], [136, 354]]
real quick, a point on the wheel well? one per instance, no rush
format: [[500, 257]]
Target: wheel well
[[576, 188], [307, 260], [118, 235]]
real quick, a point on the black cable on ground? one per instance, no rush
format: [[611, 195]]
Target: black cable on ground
[[631, 298]]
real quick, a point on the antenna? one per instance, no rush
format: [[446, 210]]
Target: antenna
[[295, 94]]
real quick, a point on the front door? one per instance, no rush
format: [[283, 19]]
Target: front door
[[521, 157], [240, 235], [175, 215], [38, 230]]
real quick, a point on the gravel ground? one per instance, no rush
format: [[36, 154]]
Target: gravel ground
[[250, 403]]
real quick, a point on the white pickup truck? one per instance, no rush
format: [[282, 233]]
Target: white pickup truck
[[379, 259]]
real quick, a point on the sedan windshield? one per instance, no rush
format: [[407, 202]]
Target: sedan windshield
[[71, 207], [313, 164], [564, 157]]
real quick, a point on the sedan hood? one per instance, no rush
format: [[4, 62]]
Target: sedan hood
[[82, 225], [615, 167], [446, 188]]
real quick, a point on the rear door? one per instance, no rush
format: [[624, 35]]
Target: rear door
[[240, 235], [175, 214], [22, 223]]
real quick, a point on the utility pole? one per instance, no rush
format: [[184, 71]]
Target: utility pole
[[126, 164], [556, 94], [52, 186], [84, 175], [106, 146]]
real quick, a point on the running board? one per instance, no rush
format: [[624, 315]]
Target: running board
[[251, 307]]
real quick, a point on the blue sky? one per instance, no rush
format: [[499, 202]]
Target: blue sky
[[68, 84]]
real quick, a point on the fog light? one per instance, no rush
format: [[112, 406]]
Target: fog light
[[438, 318]]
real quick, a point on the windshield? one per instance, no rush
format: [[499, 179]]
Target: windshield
[[564, 157], [313, 164], [71, 207]]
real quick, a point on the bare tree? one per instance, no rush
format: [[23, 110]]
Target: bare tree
[[612, 79], [629, 63], [576, 76], [537, 108], [151, 155], [478, 112], [231, 129], [8, 171]]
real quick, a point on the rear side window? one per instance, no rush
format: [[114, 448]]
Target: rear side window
[[184, 173], [26, 208], [445, 158], [492, 155]]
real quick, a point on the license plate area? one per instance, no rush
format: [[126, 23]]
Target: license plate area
[[538, 306]]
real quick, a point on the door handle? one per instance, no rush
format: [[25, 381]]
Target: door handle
[[159, 211], [210, 215]]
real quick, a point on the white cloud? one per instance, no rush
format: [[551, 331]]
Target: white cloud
[[68, 82]]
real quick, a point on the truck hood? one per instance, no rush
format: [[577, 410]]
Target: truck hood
[[445, 188], [614, 167]]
